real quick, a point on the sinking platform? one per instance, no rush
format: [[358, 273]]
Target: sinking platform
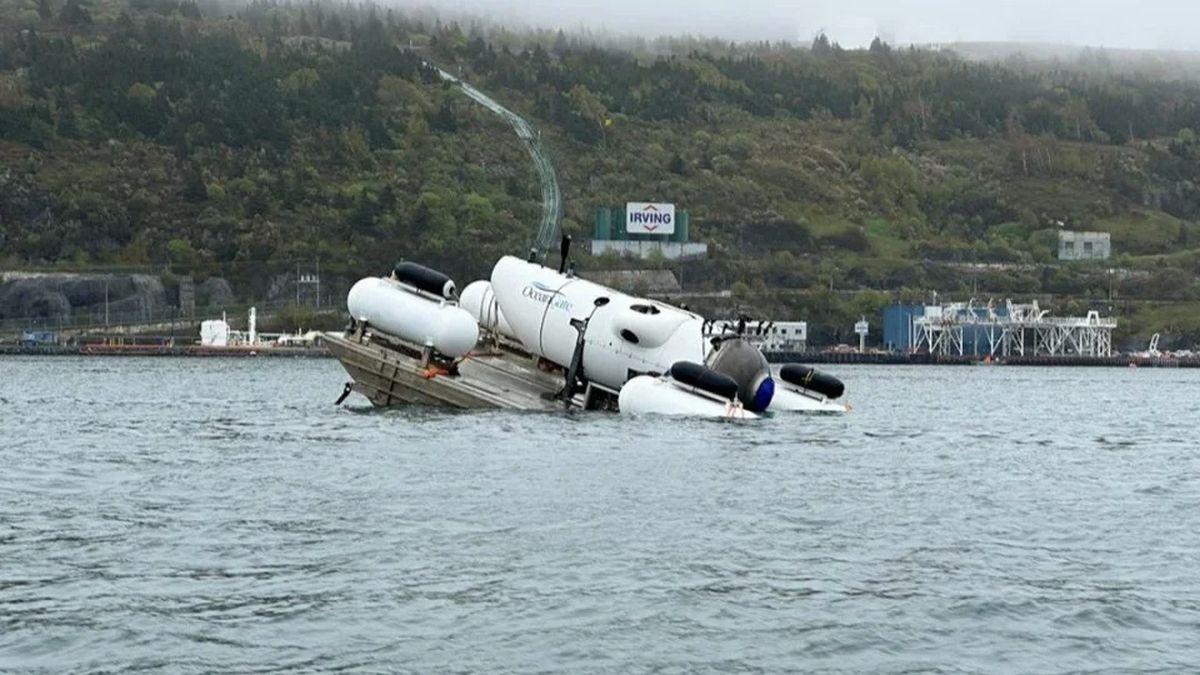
[[389, 373]]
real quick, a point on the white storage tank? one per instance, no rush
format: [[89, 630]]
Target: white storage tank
[[420, 319], [214, 333], [479, 299]]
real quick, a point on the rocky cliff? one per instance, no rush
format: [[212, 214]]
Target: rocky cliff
[[63, 297]]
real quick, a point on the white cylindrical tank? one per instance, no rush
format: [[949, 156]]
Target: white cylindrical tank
[[390, 307], [646, 395], [625, 334], [479, 299], [214, 333], [788, 399]]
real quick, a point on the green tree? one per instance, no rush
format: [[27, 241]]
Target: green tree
[[75, 13], [592, 114]]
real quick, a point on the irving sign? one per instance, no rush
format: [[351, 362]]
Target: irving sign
[[644, 218]]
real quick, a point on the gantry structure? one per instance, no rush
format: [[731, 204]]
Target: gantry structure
[[1015, 329]]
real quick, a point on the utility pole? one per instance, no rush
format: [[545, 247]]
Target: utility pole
[[312, 280]]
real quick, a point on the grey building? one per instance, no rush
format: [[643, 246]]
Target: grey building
[[1083, 245]]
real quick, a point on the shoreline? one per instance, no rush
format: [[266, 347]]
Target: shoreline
[[178, 351], [840, 358], [876, 358]]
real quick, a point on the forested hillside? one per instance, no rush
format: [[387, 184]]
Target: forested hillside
[[233, 140]]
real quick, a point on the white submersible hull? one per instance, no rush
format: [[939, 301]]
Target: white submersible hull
[[555, 340]]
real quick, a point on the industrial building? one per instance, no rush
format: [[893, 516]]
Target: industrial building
[[770, 336], [783, 336], [642, 229], [897, 325], [1084, 245], [960, 329]]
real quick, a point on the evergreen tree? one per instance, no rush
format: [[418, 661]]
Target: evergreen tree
[[560, 46], [67, 126], [677, 165], [194, 189], [75, 13], [334, 29], [125, 23], [443, 120], [190, 10]]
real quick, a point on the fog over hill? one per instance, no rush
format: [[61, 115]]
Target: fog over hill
[[1152, 24]]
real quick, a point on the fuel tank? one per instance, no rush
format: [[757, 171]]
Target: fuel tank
[[399, 310]]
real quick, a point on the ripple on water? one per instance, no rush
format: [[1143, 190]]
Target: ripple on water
[[160, 514]]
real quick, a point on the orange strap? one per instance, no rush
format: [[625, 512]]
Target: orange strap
[[433, 371]]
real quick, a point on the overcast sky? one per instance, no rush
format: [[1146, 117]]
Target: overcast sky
[[1144, 24]]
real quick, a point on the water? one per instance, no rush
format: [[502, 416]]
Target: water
[[224, 516]]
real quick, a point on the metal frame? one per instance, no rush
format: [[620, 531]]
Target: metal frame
[[941, 331]]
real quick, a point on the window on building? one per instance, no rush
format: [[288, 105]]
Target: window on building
[[1087, 247]]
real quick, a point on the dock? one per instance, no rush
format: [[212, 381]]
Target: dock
[[159, 350], [926, 359]]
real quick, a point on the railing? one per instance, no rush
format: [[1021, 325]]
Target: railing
[[547, 233], [97, 317], [1001, 321]]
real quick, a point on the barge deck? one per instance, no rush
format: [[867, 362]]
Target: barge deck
[[495, 377]]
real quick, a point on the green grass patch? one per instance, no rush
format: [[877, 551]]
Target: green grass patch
[[886, 242], [1141, 231]]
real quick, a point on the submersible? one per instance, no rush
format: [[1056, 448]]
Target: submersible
[[557, 340]]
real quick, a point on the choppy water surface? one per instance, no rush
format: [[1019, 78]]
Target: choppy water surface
[[223, 515]]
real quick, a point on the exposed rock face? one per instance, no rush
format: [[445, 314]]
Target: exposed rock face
[[59, 297], [214, 292], [27, 299], [282, 287]]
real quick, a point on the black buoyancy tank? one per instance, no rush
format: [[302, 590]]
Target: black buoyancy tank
[[425, 279], [700, 377], [812, 379]]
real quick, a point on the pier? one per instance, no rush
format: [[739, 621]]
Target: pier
[[103, 349], [925, 359], [1011, 330]]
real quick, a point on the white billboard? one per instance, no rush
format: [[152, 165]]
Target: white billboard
[[649, 218]]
